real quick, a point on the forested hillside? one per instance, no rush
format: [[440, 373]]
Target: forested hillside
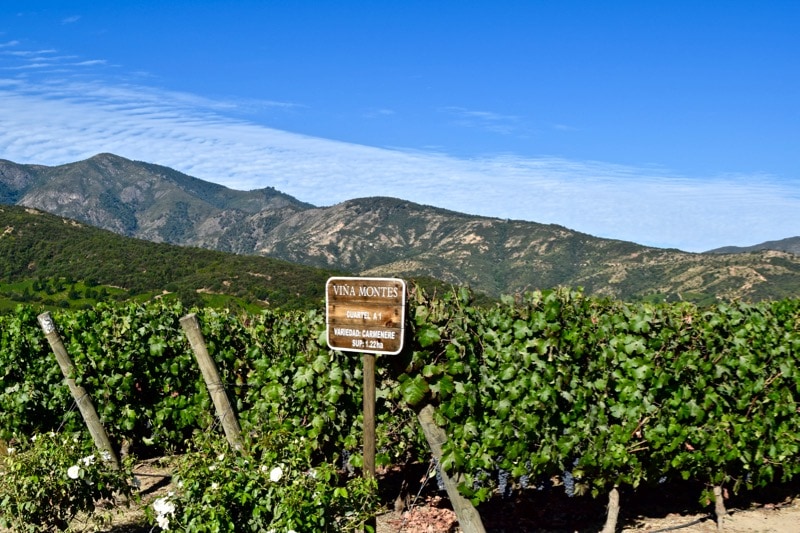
[[60, 262]]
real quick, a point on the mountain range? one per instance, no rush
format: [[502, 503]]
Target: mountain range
[[380, 236], [791, 245]]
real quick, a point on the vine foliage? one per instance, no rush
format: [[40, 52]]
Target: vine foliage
[[554, 382]]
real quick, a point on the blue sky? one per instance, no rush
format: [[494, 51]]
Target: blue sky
[[672, 124]]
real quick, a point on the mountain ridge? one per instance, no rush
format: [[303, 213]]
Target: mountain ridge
[[790, 245], [384, 236]]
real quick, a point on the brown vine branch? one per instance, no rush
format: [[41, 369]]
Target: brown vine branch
[[640, 425], [766, 384]]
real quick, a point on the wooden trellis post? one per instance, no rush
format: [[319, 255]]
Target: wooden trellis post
[[468, 518], [230, 424], [82, 399]]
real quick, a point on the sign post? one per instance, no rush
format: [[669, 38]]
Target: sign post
[[366, 315]]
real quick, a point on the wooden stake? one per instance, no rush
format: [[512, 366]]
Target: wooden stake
[[82, 398], [719, 506], [369, 423], [369, 415], [613, 511], [230, 424], [468, 518]]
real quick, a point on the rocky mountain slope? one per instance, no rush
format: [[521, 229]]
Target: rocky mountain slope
[[384, 236], [790, 245]]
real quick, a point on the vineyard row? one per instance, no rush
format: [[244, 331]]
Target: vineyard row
[[617, 394]]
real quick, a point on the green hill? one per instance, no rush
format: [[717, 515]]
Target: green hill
[[59, 262]]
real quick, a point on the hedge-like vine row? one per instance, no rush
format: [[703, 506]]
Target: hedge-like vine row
[[616, 393], [135, 362]]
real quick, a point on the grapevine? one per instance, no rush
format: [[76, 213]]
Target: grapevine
[[549, 385]]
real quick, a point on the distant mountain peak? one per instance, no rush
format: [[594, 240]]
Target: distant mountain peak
[[790, 245], [384, 236]]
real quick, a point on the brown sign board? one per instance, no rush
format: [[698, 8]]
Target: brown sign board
[[365, 315]]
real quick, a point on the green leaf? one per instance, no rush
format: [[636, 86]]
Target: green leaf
[[303, 377], [431, 370], [414, 390], [508, 373], [444, 386], [427, 335], [158, 346]]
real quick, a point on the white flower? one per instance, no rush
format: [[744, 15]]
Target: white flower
[[162, 521], [221, 457], [264, 469], [10, 451], [275, 474], [164, 509], [214, 486], [88, 460], [105, 455], [163, 506], [73, 472]]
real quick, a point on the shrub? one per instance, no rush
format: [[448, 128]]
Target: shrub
[[47, 480], [272, 484]]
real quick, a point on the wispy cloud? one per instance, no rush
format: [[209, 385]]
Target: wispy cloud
[[21, 60], [71, 20], [564, 127], [32, 54], [91, 63], [377, 113], [484, 120], [58, 120]]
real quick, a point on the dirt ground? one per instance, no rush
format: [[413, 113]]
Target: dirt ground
[[426, 510], [652, 513], [785, 519]]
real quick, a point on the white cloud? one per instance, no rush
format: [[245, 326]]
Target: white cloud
[[564, 127], [90, 63], [61, 121], [376, 113], [484, 120]]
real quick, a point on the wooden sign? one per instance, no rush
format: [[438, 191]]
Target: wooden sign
[[365, 315]]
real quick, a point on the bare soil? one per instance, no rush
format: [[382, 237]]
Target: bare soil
[[668, 507]]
